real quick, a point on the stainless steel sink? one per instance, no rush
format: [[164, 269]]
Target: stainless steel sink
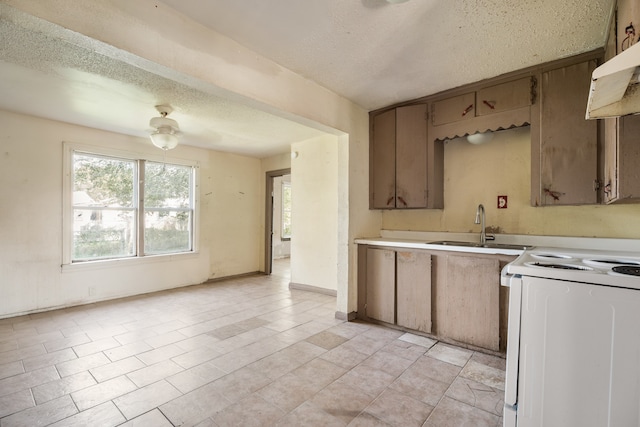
[[478, 245], [454, 243], [506, 246]]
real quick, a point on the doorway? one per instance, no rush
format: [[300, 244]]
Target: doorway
[[277, 218]]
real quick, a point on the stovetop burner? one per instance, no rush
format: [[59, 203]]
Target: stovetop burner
[[629, 270], [560, 266], [610, 262], [551, 256], [615, 261]]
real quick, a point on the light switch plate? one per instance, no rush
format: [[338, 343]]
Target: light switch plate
[[502, 202]]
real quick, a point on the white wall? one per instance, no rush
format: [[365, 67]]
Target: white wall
[[232, 203], [31, 172], [314, 223], [475, 174], [182, 48]]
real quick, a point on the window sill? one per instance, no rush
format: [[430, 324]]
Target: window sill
[[126, 262]]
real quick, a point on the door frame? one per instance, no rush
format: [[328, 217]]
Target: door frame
[[268, 217]]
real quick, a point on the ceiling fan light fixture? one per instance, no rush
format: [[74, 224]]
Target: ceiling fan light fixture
[[164, 139], [166, 131]]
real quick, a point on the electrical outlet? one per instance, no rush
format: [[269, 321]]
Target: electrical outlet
[[502, 202]]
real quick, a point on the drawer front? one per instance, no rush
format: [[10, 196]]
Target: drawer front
[[504, 97], [455, 109]]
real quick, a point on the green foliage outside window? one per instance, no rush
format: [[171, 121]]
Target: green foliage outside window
[[105, 208]]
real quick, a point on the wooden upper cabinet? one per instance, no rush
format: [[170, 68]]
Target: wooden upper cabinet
[[505, 97], [489, 107], [627, 13], [564, 156], [567, 164], [382, 168], [411, 156], [621, 181], [454, 109], [488, 100], [622, 157], [398, 158]]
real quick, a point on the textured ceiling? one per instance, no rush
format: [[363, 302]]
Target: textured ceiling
[[376, 53], [47, 76], [369, 51]]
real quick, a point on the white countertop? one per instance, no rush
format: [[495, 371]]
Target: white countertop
[[418, 244], [422, 239]]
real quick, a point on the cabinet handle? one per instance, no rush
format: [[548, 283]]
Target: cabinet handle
[[466, 110], [488, 104], [389, 200], [402, 200], [554, 194]]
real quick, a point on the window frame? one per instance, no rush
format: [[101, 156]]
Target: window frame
[[140, 159]]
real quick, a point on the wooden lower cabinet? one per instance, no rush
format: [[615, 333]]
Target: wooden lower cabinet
[[471, 301], [398, 287], [413, 290], [380, 284], [453, 296]]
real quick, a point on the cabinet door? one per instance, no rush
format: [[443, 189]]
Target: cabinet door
[[567, 152], [472, 301], [622, 156], [413, 289], [454, 109], [504, 97], [628, 13], [381, 276], [382, 167], [411, 156]]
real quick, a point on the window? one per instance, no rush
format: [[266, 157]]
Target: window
[[104, 208], [286, 210], [125, 207], [167, 208]]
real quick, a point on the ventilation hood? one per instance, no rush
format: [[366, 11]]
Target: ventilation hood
[[615, 89]]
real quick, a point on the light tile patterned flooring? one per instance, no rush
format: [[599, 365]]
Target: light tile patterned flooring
[[243, 352]]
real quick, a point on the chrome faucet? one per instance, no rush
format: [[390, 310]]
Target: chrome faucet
[[480, 220]]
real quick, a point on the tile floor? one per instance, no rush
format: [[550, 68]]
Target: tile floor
[[245, 352]]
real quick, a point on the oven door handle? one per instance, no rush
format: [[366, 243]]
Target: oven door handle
[[513, 341]]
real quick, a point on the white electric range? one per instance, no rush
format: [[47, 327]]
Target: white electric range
[[573, 348]]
